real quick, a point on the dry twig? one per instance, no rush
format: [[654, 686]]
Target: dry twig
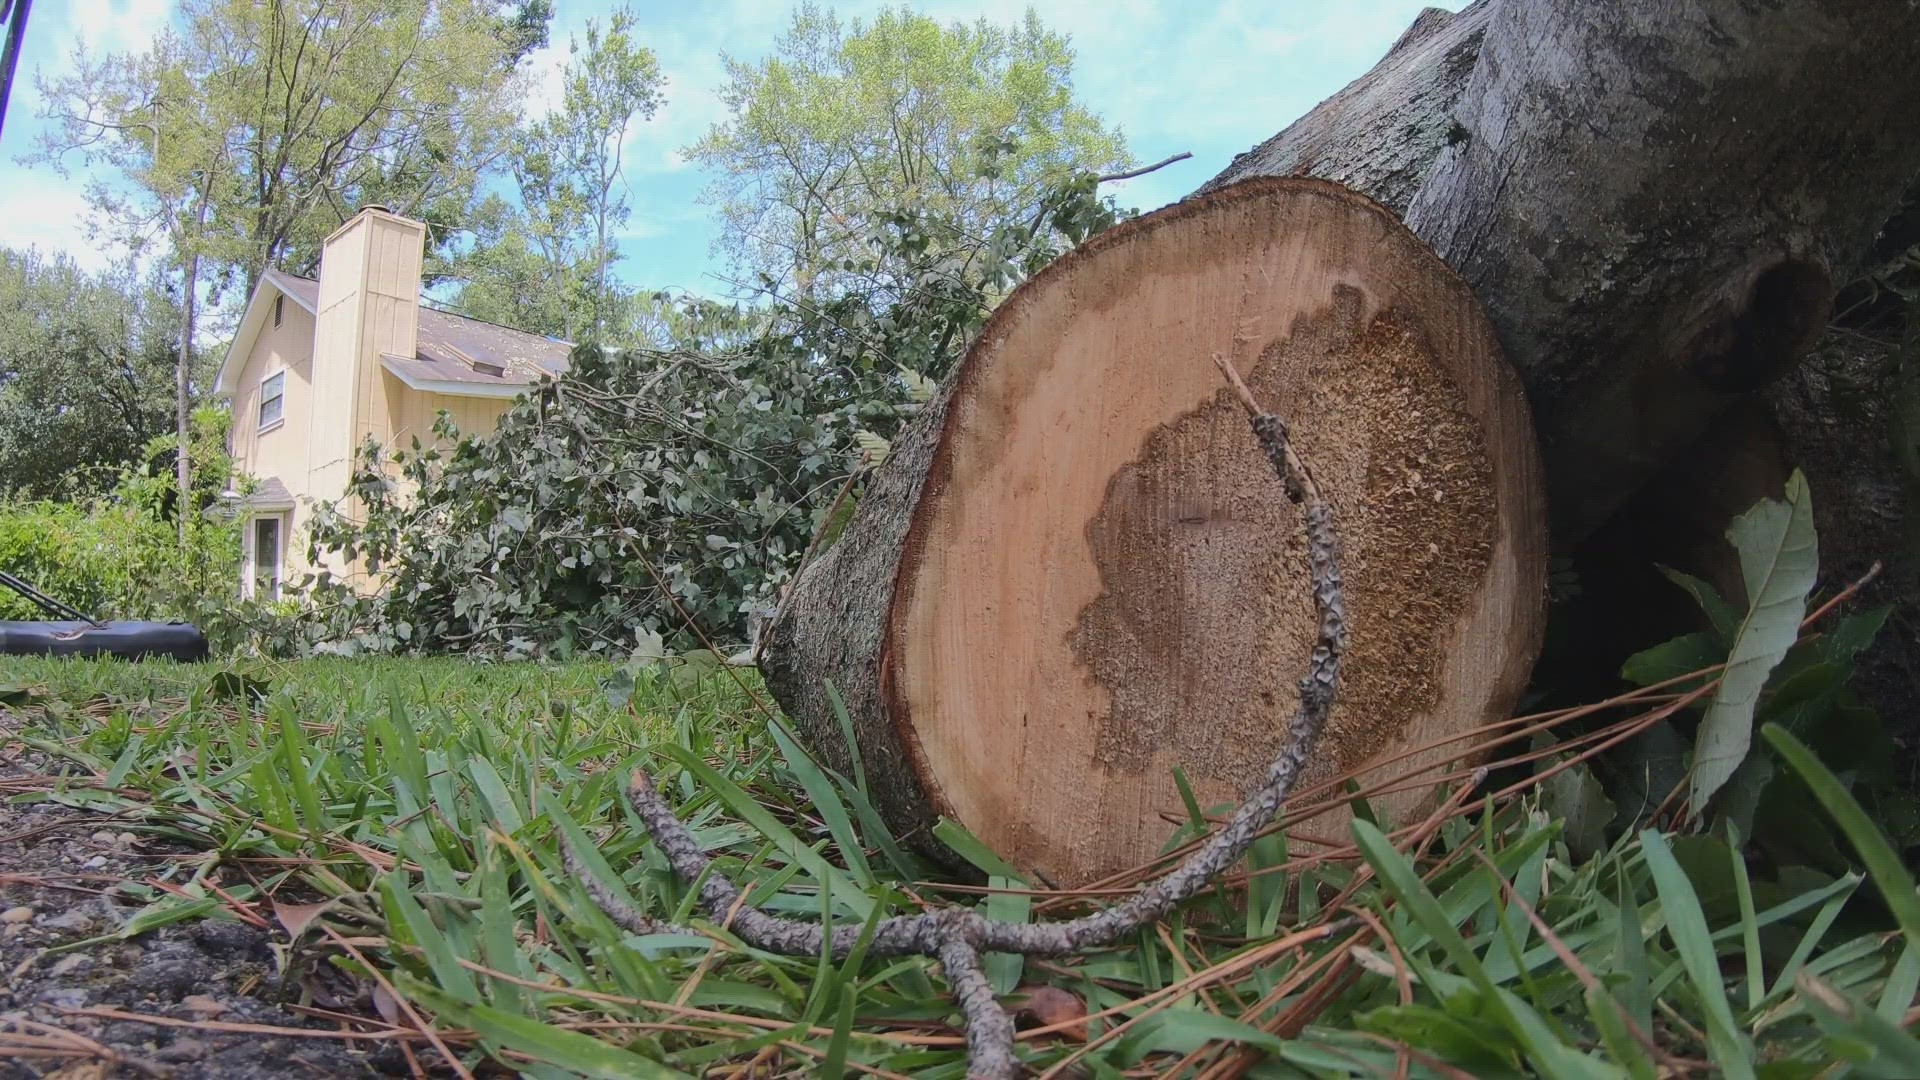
[[958, 936]]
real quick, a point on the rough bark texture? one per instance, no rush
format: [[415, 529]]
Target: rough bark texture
[[1067, 580], [832, 636], [1654, 198], [1651, 258]]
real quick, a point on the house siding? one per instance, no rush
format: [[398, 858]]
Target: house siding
[[339, 393]]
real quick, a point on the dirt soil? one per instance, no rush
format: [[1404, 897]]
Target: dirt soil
[[58, 871]]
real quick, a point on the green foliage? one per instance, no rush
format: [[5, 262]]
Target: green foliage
[[402, 104], [711, 465], [118, 555], [426, 814], [1779, 560], [974, 124], [541, 265], [86, 373], [1772, 676]]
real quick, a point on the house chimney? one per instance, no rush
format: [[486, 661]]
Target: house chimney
[[369, 306]]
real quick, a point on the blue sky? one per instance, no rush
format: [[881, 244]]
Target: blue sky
[[1211, 78]]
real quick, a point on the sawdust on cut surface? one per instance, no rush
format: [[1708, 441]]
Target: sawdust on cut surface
[[1204, 619]]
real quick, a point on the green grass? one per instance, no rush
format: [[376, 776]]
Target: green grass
[[421, 802]]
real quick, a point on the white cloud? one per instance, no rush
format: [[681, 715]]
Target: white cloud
[[112, 26], [49, 212], [546, 79]]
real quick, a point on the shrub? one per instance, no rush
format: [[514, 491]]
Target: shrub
[[120, 555], [710, 465]]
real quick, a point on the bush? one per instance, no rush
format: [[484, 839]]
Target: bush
[[712, 464], [120, 555]]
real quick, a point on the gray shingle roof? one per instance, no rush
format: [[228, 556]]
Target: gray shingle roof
[[454, 348]]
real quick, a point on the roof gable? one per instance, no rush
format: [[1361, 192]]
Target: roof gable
[[454, 354]]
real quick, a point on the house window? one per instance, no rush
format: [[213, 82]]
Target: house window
[[273, 399], [266, 558], [279, 303]]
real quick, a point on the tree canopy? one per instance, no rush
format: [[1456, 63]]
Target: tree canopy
[[542, 264], [969, 121], [86, 372], [287, 116]]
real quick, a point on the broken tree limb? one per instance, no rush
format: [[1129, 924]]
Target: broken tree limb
[[958, 936]]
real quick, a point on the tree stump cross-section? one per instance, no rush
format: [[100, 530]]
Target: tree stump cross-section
[[1075, 578]]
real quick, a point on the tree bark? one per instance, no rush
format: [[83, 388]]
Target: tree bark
[[1654, 198], [182, 392], [1071, 577]]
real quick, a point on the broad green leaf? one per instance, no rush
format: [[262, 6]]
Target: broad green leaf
[[1724, 617], [1574, 796], [1779, 560], [1683, 655], [1883, 863]]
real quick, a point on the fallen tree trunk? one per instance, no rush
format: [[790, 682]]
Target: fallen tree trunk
[[1071, 578], [1653, 198]]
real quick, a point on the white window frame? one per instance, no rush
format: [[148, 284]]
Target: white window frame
[[260, 407], [250, 582]]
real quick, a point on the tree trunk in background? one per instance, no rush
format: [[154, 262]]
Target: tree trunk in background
[[1081, 573], [182, 370], [1654, 200]]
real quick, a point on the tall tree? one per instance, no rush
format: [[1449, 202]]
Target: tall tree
[[542, 265], [291, 113], [968, 121], [86, 372]]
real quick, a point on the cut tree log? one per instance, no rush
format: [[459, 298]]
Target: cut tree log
[[1071, 577]]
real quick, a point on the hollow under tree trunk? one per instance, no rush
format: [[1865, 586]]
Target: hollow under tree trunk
[[1653, 199], [1074, 577]]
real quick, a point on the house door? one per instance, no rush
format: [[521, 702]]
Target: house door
[[266, 560]]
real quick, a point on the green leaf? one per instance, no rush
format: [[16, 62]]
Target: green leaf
[[826, 800], [1724, 617], [1683, 655], [1779, 559], [756, 815], [1895, 882], [1004, 969], [1876, 1046], [487, 779], [1687, 927], [1574, 796], [570, 1050], [407, 915], [968, 846]]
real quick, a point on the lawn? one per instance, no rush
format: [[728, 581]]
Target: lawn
[[400, 821]]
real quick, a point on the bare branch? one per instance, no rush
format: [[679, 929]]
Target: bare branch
[[1143, 170]]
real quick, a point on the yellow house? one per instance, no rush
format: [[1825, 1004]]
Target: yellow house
[[319, 367]]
